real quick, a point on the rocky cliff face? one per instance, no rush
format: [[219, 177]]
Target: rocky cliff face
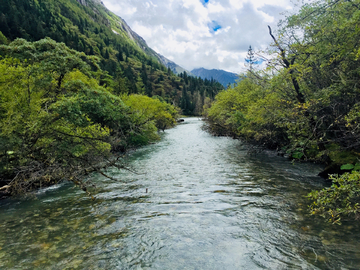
[[85, 2], [143, 45]]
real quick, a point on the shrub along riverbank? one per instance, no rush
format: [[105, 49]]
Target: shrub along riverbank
[[60, 120], [306, 103]]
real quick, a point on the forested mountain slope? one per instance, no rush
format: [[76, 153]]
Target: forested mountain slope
[[87, 26]]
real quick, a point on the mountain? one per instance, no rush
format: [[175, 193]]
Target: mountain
[[129, 65], [79, 27], [219, 75], [173, 66]]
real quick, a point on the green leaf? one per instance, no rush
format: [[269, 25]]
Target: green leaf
[[297, 155], [347, 167], [357, 167]]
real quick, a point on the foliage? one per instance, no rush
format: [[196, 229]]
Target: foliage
[[311, 103], [248, 111], [341, 200], [152, 110], [195, 91], [38, 145], [3, 39]]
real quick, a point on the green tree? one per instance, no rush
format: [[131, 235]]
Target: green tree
[[152, 110], [3, 39], [250, 59], [58, 59]]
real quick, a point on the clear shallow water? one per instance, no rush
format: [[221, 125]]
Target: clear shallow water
[[208, 205]]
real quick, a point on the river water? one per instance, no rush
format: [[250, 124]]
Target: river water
[[195, 202]]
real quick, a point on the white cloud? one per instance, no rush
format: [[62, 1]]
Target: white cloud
[[215, 8], [143, 31], [236, 4], [179, 29], [124, 10]]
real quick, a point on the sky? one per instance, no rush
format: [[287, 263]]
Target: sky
[[213, 34]]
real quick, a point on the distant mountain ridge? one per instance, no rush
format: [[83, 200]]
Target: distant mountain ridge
[[222, 76], [172, 65]]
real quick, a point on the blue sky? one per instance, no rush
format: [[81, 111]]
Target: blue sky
[[204, 2], [214, 26], [203, 33]]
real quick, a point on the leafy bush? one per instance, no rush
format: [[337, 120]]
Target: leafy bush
[[160, 113], [339, 201]]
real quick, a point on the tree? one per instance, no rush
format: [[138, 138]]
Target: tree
[[140, 86], [288, 62], [107, 55], [339, 201], [58, 58], [185, 101], [250, 58], [40, 144], [3, 39], [153, 109]]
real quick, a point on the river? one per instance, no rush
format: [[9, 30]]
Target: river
[[195, 202]]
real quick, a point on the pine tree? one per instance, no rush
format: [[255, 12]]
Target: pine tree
[[250, 58], [106, 56]]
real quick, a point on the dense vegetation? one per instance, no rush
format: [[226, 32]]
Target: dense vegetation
[[307, 102], [57, 122], [90, 28]]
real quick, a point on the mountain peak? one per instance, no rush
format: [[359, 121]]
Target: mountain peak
[[222, 76]]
